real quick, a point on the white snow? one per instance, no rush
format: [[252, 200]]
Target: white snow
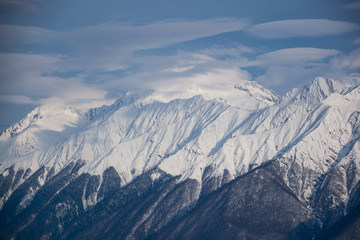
[[5, 173], [231, 126], [155, 175]]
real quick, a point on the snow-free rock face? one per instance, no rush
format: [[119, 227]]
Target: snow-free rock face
[[135, 169]]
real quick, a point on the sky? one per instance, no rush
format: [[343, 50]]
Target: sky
[[86, 53]]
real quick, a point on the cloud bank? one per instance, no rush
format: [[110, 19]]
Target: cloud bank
[[104, 61], [94, 63], [289, 67], [293, 56], [353, 5], [302, 28]]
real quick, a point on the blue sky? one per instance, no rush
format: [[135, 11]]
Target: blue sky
[[84, 53]]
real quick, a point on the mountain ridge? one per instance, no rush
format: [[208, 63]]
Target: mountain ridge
[[304, 146]]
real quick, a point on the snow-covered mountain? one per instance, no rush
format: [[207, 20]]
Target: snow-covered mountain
[[144, 162], [144, 130]]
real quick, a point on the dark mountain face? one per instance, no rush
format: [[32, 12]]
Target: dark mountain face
[[257, 205]]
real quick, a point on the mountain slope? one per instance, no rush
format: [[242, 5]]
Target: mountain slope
[[158, 164]]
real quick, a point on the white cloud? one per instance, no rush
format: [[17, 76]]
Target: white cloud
[[15, 6], [105, 63], [103, 45], [206, 68], [15, 62], [28, 83], [152, 35], [123, 36], [18, 99], [353, 6], [287, 68], [291, 56], [286, 77], [349, 62], [357, 41], [179, 71], [301, 28], [100, 50], [32, 76], [110, 46], [13, 34]]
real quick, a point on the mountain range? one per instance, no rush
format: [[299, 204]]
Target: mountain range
[[235, 161]]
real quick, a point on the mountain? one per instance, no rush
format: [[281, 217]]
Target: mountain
[[231, 162]]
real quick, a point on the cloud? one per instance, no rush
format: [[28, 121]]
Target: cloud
[[353, 6], [180, 69], [350, 62], [117, 36], [18, 99], [152, 35], [301, 28], [28, 83], [357, 41], [165, 71], [41, 78], [103, 60], [293, 56], [111, 46], [16, 6], [13, 34], [287, 68], [284, 78], [107, 59]]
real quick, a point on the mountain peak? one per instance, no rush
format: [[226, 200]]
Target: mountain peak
[[63, 162], [240, 93], [316, 91], [46, 117], [319, 89], [23, 124], [258, 91]]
